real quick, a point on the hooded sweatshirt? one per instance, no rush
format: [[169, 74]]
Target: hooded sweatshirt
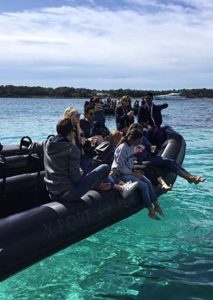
[[62, 164], [123, 159]]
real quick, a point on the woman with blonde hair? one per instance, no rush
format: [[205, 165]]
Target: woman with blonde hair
[[73, 114]]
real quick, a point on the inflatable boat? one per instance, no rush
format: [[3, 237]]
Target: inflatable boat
[[32, 227], [22, 148]]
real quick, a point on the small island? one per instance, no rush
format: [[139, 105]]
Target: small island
[[11, 91]]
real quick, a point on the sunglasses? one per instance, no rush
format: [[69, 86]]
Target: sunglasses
[[91, 114], [77, 115]]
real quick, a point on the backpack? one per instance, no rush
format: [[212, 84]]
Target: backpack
[[105, 153]]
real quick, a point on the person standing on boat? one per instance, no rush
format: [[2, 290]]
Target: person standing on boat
[[149, 115], [123, 168], [123, 117], [64, 178]]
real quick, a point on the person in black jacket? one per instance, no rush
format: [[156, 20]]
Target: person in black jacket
[[123, 117], [86, 123], [149, 115]]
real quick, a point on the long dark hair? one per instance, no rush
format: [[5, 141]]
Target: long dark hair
[[132, 135]]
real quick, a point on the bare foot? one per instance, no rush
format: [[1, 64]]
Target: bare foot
[[199, 179], [196, 179], [159, 210], [166, 186], [153, 215]]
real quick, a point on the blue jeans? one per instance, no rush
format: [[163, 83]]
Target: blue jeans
[[112, 180], [145, 188], [88, 164], [89, 181], [159, 161]]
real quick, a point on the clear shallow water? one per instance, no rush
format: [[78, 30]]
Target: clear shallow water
[[136, 258]]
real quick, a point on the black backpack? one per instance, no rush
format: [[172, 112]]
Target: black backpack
[[105, 153]]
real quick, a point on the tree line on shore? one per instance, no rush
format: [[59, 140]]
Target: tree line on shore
[[11, 91]]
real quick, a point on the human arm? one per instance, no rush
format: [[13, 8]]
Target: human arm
[[162, 106], [122, 162]]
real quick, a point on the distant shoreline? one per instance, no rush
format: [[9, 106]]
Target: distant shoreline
[[11, 91], [84, 98]]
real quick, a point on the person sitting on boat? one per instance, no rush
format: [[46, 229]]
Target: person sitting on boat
[[122, 116], [78, 136], [85, 170], [130, 108], [144, 153], [149, 115], [100, 129], [86, 123], [63, 177], [123, 168], [99, 111]]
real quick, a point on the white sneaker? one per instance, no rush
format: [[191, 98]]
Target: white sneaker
[[128, 188], [128, 183]]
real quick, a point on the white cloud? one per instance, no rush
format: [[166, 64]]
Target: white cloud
[[101, 48]]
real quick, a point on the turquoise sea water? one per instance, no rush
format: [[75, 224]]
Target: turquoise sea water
[[137, 258]]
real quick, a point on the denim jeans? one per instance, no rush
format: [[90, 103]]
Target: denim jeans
[[159, 161], [145, 188], [88, 164], [112, 180], [88, 182]]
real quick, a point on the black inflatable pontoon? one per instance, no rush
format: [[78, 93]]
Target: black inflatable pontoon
[[32, 227], [22, 148]]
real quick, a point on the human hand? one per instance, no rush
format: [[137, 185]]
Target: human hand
[[113, 172], [130, 113]]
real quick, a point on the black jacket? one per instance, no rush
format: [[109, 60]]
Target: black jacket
[[122, 119], [86, 127], [144, 115]]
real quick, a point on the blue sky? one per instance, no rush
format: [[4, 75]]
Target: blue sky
[[140, 44]]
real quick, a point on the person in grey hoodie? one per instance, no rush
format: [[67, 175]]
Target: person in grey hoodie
[[63, 177]]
